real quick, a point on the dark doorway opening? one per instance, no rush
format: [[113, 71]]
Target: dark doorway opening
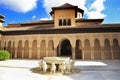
[[65, 49]]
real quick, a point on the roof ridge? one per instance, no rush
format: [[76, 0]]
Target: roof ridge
[[67, 5]]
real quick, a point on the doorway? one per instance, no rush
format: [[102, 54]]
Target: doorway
[[78, 49], [64, 48]]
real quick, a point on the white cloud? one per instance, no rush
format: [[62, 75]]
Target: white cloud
[[19, 5], [94, 11], [95, 15], [96, 8], [33, 17], [46, 18], [98, 5]]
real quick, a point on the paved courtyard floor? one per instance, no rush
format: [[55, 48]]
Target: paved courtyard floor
[[84, 70]]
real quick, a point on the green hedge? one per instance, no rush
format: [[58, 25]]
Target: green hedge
[[4, 55]]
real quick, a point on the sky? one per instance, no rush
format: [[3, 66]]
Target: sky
[[18, 11]]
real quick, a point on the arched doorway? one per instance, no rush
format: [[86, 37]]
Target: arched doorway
[[116, 49], [107, 49], [13, 50], [19, 49], [51, 48], [26, 49], [78, 49], [34, 49], [43, 49], [65, 48], [87, 49], [97, 49]]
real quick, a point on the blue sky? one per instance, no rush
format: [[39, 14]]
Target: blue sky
[[17, 11]]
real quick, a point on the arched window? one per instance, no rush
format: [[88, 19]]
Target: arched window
[[60, 22], [69, 22], [64, 22]]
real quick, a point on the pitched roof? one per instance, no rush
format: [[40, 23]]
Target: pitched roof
[[67, 6]]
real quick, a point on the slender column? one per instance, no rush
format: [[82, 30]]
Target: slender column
[[92, 54], [111, 46], [15, 52], [56, 53], [23, 44], [102, 49], [38, 49], [16, 43], [11, 48], [73, 50], [59, 49], [112, 52], [92, 48], [82, 41], [46, 51], [38, 52], [46, 41], [6, 45], [30, 49], [30, 53]]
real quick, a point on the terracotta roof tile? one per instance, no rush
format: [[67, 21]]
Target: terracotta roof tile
[[87, 29], [40, 21], [89, 20], [31, 23]]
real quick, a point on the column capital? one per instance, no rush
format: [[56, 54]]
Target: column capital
[[73, 44]]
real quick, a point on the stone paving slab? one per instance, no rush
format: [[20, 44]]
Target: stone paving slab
[[89, 70]]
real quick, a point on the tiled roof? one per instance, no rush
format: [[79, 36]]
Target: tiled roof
[[67, 6], [40, 21], [88, 20], [31, 23], [104, 28]]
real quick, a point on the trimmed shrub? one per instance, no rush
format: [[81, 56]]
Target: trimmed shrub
[[4, 55]]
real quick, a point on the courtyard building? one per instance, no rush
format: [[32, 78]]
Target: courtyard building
[[67, 34]]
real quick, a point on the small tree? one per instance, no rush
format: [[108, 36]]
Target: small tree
[[4, 55]]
